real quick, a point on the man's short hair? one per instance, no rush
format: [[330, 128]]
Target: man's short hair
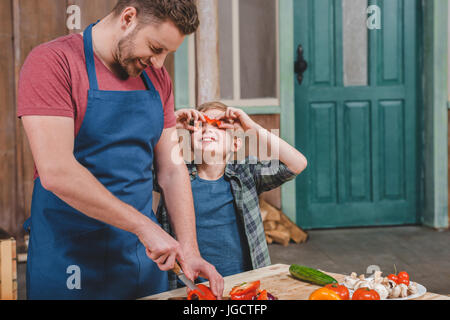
[[183, 13]]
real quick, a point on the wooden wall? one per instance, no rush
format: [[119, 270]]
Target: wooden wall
[[24, 24], [270, 122]]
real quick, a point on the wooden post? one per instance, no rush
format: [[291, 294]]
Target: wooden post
[[435, 213], [207, 52], [8, 270]]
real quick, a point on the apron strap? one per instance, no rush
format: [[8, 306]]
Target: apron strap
[[89, 54], [148, 82]]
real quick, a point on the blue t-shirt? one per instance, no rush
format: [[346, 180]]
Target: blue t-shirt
[[220, 233]]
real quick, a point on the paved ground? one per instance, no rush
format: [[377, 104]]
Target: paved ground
[[423, 252]]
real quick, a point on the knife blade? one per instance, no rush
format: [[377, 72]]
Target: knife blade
[[180, 274]]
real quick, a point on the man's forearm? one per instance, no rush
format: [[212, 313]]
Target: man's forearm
[[76, 186], [177, 193]]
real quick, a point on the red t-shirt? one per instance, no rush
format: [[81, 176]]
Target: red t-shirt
[[54, 82]]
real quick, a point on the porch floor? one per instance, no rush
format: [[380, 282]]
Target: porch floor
[[423, 252]]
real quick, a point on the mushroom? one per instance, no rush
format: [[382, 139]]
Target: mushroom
[[403, 290], [395, 292], [363, 284], [382, 290], [351, 280], [412, 288], [378, 278], [385, 282]]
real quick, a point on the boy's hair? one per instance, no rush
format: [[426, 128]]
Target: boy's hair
[[183, 13], [215, 105]]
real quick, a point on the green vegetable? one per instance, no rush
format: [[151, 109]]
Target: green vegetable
[[311, 275]]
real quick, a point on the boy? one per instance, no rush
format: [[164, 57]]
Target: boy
[[230, 230]]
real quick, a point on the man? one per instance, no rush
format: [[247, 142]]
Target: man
[[98, 110]]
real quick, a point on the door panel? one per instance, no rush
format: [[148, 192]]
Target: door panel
[[324, 150], [361, 141], [357, 155]]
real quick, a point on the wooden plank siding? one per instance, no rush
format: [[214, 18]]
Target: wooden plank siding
[[7, 120], [270, 122], [25, 24]]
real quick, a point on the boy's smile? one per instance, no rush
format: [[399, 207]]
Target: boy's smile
[[212, 140]]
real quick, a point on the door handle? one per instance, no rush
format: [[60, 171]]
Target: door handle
[[301, 65]]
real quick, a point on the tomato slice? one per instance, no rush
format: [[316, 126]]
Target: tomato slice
[[215, 122], [204, 293]]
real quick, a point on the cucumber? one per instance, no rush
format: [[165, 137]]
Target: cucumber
[[311, 275]]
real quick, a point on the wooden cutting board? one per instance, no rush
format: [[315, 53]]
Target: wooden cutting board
[[277, 280]]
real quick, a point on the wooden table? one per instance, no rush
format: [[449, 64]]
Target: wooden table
[[277, 280]]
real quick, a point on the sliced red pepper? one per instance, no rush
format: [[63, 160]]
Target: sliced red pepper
[[204, 293], [262, 295], [245, 291], [215, 122], [248, 296]]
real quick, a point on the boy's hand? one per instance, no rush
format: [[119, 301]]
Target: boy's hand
[[240, 116], [188, 119]]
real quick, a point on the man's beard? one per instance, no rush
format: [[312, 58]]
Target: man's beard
[[125, 61]]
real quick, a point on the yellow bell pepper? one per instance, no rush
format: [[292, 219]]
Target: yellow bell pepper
[[324, 294]]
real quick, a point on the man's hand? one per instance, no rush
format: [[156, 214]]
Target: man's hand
[[161, 247], [201, 268]]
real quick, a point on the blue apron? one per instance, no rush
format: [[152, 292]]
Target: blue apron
[[72, 256]]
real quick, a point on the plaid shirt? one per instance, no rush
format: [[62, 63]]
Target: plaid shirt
[[248, 180]]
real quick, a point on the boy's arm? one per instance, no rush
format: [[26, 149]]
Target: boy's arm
[[291, 157], [269, 175]]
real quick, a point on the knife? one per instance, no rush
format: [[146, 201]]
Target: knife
[[180, 274]]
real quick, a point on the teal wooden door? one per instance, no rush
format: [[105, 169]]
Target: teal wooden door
[[361, 141]]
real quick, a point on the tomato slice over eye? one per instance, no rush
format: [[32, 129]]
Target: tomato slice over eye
[[213, 122]]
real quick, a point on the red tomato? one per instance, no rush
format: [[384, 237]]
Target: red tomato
[[340, 289], [404, 281], [403, 276], [365, 294], [393, 277]]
